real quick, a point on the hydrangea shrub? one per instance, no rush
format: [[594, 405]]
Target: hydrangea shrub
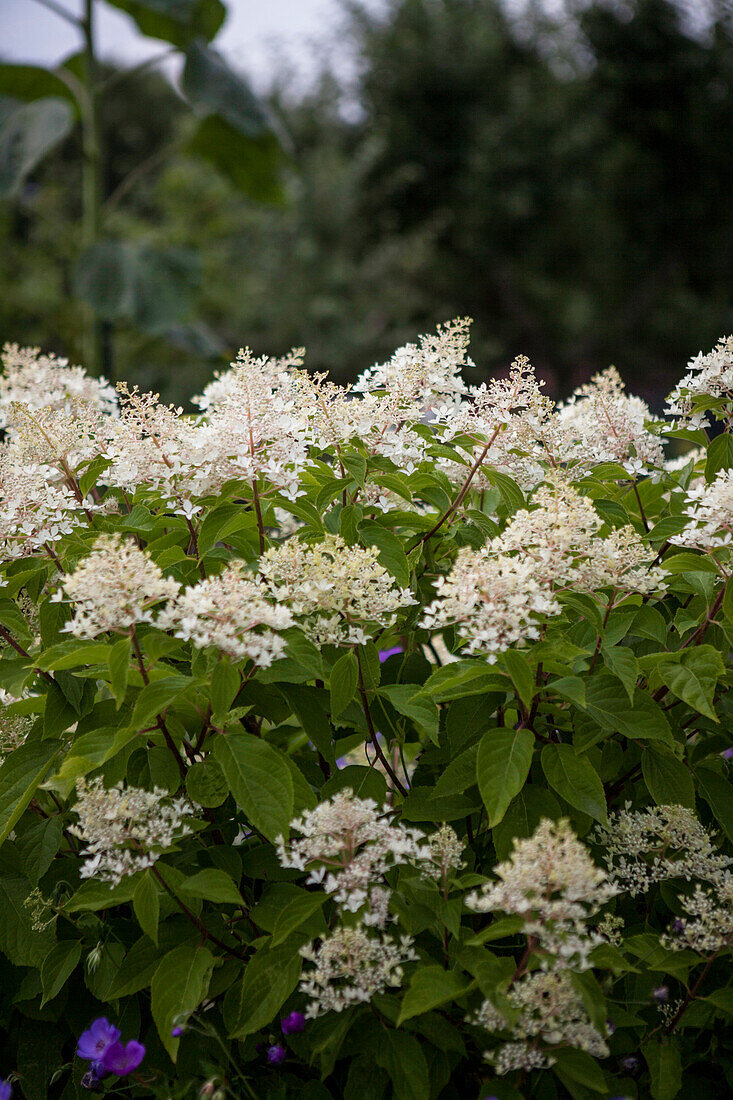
[[365, 743]]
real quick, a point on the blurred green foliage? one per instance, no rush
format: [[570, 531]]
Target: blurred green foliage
[[566, 183]]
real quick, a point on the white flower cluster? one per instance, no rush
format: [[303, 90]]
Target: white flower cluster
[[348, 845], [546, 1012], [708, 924], [709, 509], [231, 611], [497, 595], [643, 847], [710, 376], [45, 382], [114, 587], [334, 590], [431, 370], [14, 728], [550, 881], [34, 513], [126, 829], [350, 966]]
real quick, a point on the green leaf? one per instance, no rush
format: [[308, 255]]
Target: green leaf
[[578, 1067], [502, 766], [342, 682], [146, 905], [27, 135], [29, 82], [718, 793], [623, 664], [119, 669], [458, 776], [211, 87], [19, 941], [408, 700], [295, 913], [391, 551], [520, 672], [575, 779], [402, 1057], [693, 677], [179, 985], [126, 280], [175, 21], [667, 779], [21, 772], [206, 783], [213, 885], [225, 683], [688, 562], [271, 976], [155, 697], [430, 987], [608, 707], [57, 966], [665, 1069], [259, 780], [93, 896], [251, 164], [720, 455]]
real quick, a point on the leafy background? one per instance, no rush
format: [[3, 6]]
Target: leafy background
[[565, 182]]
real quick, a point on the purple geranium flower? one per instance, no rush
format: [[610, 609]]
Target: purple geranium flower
[[94, 1042], [276, 1054], [385, 654], [661, 994], [123, 1059], [177, 1031], [728, 754], [5, 1090], [293, 1023]]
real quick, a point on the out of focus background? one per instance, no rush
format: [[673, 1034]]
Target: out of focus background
[[179, 178]]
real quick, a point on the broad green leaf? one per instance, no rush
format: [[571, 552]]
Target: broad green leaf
[[156, 696], [20, 942], [30, 82], [129, 281], [271, 976], [578, 1067], [21, 772], [693, 677], [391, 551], [295, 913], [463, 678], [93, 895], [607, 705], [665, 1069], [342, 682], [520, 672], [179, 985], [402, 1057], [667, 778], [720, 455], [408, 699], [213, 885], [175, 21], [206, 783], [502, 767], [621, 661], [212, 87], [575, 779], [58, 965], [259, 780], [430, 987], [718, 793], [119, 669], [225, 683], [27, 135], [146, 905], [251, 164], [458, 776], [688, 562]]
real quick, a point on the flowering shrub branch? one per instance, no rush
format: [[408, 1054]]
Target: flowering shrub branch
[[365, 742]]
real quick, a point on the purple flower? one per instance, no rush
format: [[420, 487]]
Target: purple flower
[[5, 1090], [661, 994], [177, 1031], [629, 1064], [276, 1054], [610, 1027], [677, 926], [385, 654], [293, 1023], [728, 753], [94, 1042], [123, 1059]]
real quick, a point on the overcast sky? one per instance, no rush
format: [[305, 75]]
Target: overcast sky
[[255, 33]]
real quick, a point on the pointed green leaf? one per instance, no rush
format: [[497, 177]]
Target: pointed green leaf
[[179, 985], [502, 767], [259, 780]]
